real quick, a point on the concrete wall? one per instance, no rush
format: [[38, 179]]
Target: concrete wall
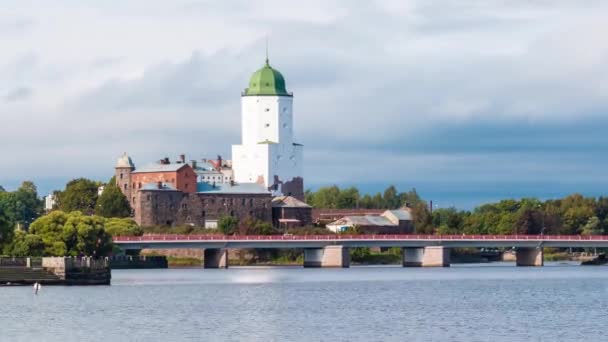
[[529, 257], [215, 258], [79, 271], [434, 256], [330, 256]]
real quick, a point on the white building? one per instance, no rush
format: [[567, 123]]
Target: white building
[[49, 202], [268, 154]]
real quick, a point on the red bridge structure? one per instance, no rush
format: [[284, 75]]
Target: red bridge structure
[[333, 250]]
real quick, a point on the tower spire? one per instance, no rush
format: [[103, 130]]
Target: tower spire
[[267, 50]]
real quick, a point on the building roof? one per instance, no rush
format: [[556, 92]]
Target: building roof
[[227, 188], [288, 202], [160, 168], [154, 186], [363, 221], [388, 218], [266, 81], [125, 162], [400, 214]]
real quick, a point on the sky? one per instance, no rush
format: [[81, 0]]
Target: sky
[[467, 101]]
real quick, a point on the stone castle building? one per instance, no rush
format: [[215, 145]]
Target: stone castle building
[[268, 163]]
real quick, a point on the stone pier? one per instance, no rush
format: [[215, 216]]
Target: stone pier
[[433, 256], [215, 258], [529, 257], [330, 256]]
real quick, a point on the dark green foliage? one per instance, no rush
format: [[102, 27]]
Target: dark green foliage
[[112, 202], [333, 197], [21, 207], [227, 225], [122, 227], [79, 195], [24, 244], [59, 233]]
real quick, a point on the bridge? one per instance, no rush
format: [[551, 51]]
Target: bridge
[[333, 250]]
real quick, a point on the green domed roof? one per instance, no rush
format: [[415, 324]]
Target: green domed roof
[[266, 81]]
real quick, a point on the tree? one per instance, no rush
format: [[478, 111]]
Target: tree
[[422, 219], [593, 227], [21, 207], [6, 229], [123, 227], [24, 244], [112, 202], [227, 225], [391, 198], [348, 198], [79, 195], [72, 234]]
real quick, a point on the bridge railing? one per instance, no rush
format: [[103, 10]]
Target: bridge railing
[[414, 237]]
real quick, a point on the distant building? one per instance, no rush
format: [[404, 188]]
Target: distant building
[[390, 222], [213, 171], [49, 202], [324, 216], [169, 194], [288, 211]]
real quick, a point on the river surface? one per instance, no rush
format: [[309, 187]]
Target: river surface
[[492, 302]]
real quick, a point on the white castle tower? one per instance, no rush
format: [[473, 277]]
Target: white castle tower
[[268, 154]]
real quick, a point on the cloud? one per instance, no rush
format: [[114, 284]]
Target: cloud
[[18, 94], [408, 92]]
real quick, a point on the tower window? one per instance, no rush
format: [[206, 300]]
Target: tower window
[[267, 110], [267, 125]]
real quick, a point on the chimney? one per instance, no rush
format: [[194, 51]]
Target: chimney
[[193, 164], [219, 162], [182, 158], [165, 161], [159, 185]]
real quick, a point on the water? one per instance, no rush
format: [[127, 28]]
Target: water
[[496, 302]]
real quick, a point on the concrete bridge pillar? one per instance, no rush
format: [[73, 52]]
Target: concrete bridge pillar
[[432, 256], [215, 258], [529, 257], [413, 256], [329, 256]]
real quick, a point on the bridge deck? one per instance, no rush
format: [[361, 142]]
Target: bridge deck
[[389, 240]]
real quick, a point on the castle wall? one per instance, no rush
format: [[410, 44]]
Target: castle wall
[[162, 207]]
